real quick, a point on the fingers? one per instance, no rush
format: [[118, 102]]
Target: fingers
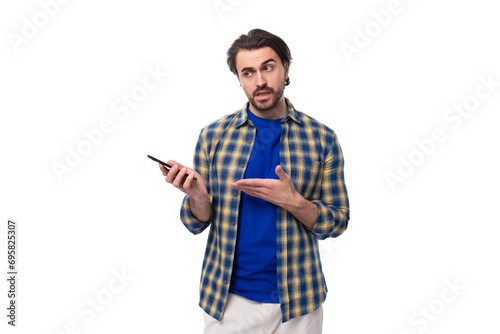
[[172, 173], [179, 176], [188, 179], [172, 162], [252, 183], [163, 169], [253, 187], [184, 178]]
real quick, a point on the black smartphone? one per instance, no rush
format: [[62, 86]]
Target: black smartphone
[[167, 166]]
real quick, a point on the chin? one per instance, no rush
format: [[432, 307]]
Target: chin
[[263, 106]]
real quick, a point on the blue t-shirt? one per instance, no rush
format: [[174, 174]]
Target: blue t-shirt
[[254, 268]]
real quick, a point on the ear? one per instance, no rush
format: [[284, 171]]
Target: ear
[[287, 67]]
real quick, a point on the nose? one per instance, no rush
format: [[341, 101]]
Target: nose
[[261, 79]]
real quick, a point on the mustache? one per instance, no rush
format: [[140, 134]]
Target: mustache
[[262, 89]]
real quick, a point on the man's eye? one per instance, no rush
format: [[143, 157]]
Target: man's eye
[[268, 68], [247, 74]]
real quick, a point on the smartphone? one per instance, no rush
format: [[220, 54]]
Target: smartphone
[[167, 166]]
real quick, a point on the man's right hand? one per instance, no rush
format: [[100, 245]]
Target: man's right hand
[[196, 190]]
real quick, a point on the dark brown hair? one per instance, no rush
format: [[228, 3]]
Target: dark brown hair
[[256, 39]]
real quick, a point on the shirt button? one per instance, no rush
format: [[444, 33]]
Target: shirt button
[[225, 282], [229, 252], [233, 223], [242, 166], [235, 194], [249, 141]]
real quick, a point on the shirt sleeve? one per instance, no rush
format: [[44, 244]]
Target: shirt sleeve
[[201, 165], [333, 207]]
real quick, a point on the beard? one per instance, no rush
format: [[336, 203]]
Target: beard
[[268, 105]]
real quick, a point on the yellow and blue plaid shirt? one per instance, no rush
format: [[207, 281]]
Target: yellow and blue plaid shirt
[[310, 153]]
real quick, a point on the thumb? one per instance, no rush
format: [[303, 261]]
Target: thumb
[[280, 172]]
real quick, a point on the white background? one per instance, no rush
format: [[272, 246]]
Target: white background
[[114, 213]]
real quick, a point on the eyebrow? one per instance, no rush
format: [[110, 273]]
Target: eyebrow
[[251, 68]]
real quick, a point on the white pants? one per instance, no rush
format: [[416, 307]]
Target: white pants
[[243, 316]]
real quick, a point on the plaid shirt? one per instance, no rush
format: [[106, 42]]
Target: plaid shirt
[[311, 155]]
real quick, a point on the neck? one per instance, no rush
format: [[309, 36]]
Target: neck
[[279, 111]]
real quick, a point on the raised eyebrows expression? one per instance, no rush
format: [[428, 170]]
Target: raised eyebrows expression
[[248, 70]]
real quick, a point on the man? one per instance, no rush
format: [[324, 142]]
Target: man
[[270, 183]]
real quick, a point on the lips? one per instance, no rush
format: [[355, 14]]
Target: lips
[[263, 95]]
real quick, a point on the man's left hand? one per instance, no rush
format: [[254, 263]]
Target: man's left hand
[[282, 193], [277, 192]]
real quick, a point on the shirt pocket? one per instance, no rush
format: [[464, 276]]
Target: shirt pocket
[[306, 175]]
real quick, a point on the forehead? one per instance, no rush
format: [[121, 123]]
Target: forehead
[[255, 58]]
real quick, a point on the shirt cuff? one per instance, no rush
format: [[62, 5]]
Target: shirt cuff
[[330, 222], [193, 224]]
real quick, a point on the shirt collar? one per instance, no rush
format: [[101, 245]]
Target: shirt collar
[[242, 117]]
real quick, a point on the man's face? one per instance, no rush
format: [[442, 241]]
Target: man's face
[[262, 77]]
